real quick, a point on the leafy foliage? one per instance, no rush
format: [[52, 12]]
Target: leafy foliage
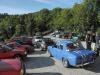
[[80, 18]]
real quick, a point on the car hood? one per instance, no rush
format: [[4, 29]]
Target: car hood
[[83, 52], [10, 65]]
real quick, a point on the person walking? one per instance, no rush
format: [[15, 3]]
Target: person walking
[[97, 43], [88, 40]]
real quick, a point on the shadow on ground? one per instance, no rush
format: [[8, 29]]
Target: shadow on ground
[[94, 67], [38, 62], [45, 73]]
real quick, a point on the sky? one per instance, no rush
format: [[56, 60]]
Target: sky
[[30, 6]]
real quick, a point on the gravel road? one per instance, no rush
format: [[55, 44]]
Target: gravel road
[[39, 63]]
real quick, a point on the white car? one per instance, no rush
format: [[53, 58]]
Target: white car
[[39, 43], [36, 39]]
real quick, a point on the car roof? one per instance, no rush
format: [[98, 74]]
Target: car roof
[[63, 41]]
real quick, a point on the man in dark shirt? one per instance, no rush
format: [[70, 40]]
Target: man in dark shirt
[[97, 43], [93, 44], [88, 40]]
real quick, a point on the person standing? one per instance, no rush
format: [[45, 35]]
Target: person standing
[[88, 40], [97, 43], [93, 44]]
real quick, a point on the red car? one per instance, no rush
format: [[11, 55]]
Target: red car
[[12, 67], [14, 39], [8, 52], [18, 45], [25, 40]]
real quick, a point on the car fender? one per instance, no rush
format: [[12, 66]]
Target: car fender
[[71, 58]]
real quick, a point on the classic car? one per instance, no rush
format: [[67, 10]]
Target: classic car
[[48, 41], [40, 45], [25, 40], [71, 53], [75, 36], [36, 39], [14, 39], [12, 67], [19, 44], [43, 43], [9, 52], [57, 34]]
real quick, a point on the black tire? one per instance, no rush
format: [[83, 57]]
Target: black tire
[[65, 63], [44, 49], [49, 54], [23, 70], [18, 56]]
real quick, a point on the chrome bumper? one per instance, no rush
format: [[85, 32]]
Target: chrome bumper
[[84, 64]]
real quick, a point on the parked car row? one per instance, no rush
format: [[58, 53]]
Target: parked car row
[[68, 35], [12, 54], [70, 52], [15, 50]]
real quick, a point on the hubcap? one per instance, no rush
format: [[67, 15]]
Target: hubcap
[[64, 63]]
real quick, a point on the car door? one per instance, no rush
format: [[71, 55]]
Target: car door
[[53, 50], [59, 52]]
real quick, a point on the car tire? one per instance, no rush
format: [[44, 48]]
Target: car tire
[[65, 63], [43, 49], [49, 54], [18, 56], [23, 70]]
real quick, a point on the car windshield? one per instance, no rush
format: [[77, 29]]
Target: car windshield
[[18, 44], [74, 46]]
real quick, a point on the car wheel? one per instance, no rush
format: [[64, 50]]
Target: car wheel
[[49, 54], [43, 49], [23, 69], [65, 63], [18, 57]]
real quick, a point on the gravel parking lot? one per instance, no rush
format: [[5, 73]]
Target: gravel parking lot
[[39, 63]]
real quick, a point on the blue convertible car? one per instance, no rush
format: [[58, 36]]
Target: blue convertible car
[[71, 53]]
